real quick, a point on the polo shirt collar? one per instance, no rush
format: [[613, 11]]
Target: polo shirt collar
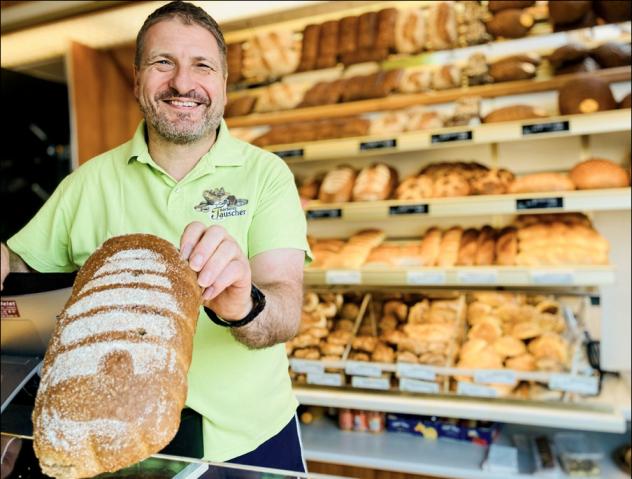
[[224, 152]]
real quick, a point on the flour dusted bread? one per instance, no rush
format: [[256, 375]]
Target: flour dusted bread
[[114, 375]]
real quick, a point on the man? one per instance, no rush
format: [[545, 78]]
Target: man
[[233, 210]]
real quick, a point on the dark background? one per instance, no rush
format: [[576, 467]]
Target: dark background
[[35, 152]]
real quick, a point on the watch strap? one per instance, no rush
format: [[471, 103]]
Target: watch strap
[[258, 303]]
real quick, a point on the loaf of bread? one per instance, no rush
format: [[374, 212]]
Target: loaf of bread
[[542, 182], [375, 182], [442, 26], [410, 31], [587, 94], [510, 23], [568, 12], [337, 185], [611, 54], [568, 54], [114, 378], [348, 35], [309, 48], [511, 70], [449, 248], [514, 113], [385, 37], [599, 173]]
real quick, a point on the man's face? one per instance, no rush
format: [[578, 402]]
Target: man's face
[[180, 86]]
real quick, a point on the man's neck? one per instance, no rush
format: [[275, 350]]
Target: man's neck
[[178, 160]]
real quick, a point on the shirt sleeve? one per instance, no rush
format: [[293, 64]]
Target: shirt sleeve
[[279, 220], [43, 242]]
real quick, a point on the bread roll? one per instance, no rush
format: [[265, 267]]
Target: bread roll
[[514, 113], [510, 23], [511, 71], [599, 173], [587, 94], [542, 182], [114, 375]]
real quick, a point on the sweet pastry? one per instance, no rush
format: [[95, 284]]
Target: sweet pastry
[[542, 182], [337, 185], [114, 381], [587, 94], [599, 173]]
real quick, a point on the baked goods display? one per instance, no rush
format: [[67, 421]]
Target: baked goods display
[[114, 378]]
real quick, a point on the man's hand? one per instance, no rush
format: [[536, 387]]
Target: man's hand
[[4, 264], [223, 269]]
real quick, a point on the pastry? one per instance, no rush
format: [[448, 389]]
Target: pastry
[[542, 182], [550, 346], [526, 330], [396, 308], [488, 329], [587, 94], [523, 362], [599, 173], [114, 381], [337, 185]]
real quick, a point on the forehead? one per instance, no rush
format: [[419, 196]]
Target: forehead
[[176, 38]]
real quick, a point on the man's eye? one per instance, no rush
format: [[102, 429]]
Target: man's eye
[[204, 66]]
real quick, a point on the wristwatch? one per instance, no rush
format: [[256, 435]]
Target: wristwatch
[[258, 303]]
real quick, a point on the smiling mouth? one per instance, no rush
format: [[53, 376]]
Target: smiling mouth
[[182, 103]]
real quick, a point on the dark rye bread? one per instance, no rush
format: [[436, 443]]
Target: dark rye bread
[[114, 375]]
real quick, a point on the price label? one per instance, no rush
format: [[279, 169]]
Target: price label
[[378, 144], [471, 389], [407, 370], [552, 277], [588, 385], [425, 277], [416, 386], [420, 209], [322, 214], [370, 383], [478, 277], [297, 153], [540, 203], [325, 379], [550, 127], [359, 368], [452, 136], [305, 366], [341, 276], [495, 376]]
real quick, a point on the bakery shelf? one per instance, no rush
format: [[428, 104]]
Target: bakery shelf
[[524, 130], [605, 413], [395, 102], [324, 442], [552, 202], [563, 276]]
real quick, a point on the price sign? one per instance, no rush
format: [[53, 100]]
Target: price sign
[[420, 209], [496, 376], [550, 127], [378, 144], [540, 203], [323, 214], [478, 277], [370, 383], [359, 368], [453, 136], [588, 385], [297, 153], [325, 379], [471, 389], [416, 386], [415, 371], [306, 367], [425, 277], [342, 276], [552, 277]]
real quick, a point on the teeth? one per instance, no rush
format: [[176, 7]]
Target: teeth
[[183, 103]]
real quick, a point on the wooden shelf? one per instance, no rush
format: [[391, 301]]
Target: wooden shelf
[[552, 202], [395, 102]]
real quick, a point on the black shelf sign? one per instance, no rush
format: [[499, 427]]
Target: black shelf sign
[[465, 135], [550, 127], [539, 203], [298, 153], [324, 214], [378, 144], [418, 209]]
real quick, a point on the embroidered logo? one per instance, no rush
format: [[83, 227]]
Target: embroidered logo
[[219, 204]]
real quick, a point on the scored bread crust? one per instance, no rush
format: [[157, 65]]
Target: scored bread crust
[[114, 375]]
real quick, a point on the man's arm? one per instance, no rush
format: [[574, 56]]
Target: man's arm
[[10, 262]]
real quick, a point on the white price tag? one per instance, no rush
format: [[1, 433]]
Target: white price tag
[[478, 277], [325, 379], [359, 368], [305, 366], [407, 370], [342, 276], [370, 383], [416, 386], [549, 277], [495, 376], [588, 385], [471, 389], [425, 277]]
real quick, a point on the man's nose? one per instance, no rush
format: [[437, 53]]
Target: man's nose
[[182, 80]]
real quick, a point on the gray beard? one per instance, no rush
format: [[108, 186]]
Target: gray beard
[[179, 133]]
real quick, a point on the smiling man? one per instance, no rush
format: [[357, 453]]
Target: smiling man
[[234, 212]]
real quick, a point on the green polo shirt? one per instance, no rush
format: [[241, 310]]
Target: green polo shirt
[[245, 396]]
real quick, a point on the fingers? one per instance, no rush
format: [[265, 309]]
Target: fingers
[[225, 252], [190, 237], [204, 243], [232, 274]]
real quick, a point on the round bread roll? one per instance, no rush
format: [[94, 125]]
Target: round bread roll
[[508, 347], [524, 362], [599, 173], [587, 94]]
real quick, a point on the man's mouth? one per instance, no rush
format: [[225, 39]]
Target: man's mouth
[[182, 104]]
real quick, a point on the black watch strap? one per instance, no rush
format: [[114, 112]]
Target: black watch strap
[[258, 303]]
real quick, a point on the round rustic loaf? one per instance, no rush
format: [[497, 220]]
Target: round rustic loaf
[[599, 173]]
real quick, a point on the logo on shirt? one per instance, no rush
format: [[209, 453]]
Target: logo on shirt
[[219, 204]]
